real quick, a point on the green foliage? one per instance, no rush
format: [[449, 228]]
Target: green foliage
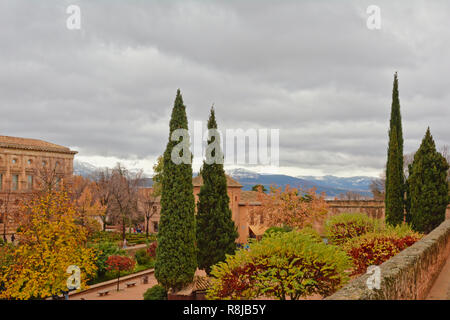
[[275, 229], [340, 228], [142, 257], [176, 253], [259, 187], [110, 236], [395, 180], [310, 231], [216, 231], [427, 187], [103, 250], [374, 248], [281, 265], [156, 292]]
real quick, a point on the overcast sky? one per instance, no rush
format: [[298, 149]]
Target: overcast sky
[[309, 68]]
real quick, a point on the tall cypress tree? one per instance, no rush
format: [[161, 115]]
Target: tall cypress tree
[[176, 256], [395, 180], [428, 187], [216, 231]]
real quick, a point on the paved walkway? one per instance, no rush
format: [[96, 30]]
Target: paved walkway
[[441, 287], [124, 293]]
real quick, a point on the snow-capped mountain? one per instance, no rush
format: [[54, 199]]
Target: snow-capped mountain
[[241, 173], [331, 185], [82, 168], [86, 169], [351, 183]]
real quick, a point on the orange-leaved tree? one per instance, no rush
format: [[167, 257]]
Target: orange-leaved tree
[[289, 207], [49, 241], [87, 206]]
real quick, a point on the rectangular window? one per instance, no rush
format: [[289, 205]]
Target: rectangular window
[[155, 226], [30, 182], [15, 182]]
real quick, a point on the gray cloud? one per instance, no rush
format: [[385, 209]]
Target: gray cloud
[[310, 68]]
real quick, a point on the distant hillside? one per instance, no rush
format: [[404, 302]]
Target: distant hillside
[[331, 185]]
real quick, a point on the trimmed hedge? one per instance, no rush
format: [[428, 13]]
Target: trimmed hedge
[[343, 227]]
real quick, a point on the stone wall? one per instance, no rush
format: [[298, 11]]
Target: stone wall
[[373, 208], [408, 275]]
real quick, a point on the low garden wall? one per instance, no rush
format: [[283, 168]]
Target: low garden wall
[[408, 275]]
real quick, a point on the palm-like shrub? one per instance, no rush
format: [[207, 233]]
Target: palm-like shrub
[[281, 265]]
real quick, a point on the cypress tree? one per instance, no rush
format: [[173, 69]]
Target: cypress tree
[[395, 180], [176, 256], [428, 187], [216, 231]]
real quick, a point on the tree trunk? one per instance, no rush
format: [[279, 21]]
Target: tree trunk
[[118, 280], [123, 229], [146, 227]]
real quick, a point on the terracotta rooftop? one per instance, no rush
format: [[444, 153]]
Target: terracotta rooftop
[[198, 181], [250, 197], [32, 144]]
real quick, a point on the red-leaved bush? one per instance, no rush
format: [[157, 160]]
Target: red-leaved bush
[[374, 249], [151, 250], [120, 263]]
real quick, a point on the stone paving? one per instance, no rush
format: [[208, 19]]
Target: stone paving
[[441, 287]]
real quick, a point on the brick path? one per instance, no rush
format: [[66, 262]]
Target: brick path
[[441, 287]]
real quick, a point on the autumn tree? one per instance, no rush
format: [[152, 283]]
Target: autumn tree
[[124, 193], [50, 177], [88, 207], [102, 192], [216, 231], [290, 207], [157, 176], [395, 181], [148, 204], [118, 264], [6, 209], [351, 195], [49, 242]]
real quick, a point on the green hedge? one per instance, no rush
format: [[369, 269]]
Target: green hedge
[[343, 227], [156, 292]]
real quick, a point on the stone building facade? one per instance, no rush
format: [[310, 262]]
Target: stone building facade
[[23, 162]]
